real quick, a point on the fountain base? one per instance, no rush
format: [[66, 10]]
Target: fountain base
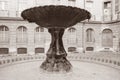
[[56, 65]]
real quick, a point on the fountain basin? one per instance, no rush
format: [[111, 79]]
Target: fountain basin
[[80, 71]]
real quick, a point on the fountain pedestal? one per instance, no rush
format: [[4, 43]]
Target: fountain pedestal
[[56, 55]]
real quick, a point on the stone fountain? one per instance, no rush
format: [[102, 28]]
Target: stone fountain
[[56, 19]]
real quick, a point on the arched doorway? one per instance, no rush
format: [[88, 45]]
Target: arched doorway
[[107, 38]]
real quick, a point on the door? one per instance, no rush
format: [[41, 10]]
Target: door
[[107, 38]]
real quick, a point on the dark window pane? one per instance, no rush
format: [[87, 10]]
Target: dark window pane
[[89, 49], [4, 50], [39, 50], [22, 50], [71, 49]]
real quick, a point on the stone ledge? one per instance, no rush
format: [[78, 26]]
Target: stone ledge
[[111, 62]]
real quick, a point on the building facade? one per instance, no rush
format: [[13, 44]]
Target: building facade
[[101, 33]]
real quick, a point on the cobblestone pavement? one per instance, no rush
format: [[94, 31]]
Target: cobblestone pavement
[[80, 71]]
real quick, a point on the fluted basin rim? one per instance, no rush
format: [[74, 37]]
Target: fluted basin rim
[[55, 15]]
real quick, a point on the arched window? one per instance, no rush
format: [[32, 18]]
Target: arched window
[[71, 30], [39, 29], [72, 39], [39, 35], [107, 38], [89, 35], [21, 34], [4, 34]]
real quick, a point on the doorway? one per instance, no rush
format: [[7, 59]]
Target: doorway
[[107, 38]]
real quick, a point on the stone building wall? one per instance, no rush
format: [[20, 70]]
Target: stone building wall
[[98, 33], [79, 37]]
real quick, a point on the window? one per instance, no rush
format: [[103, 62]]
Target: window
[[39, 50], [22, 5], [107, 4], [22, 50], [89, 0], [71, 2], [71, 49], [39, 29], [72, 38], [21, 34], [118, 15], [107, 38], [71, 30], [56, 2], [107, 11], [89, 6], [4, 9], [39, 35], [4, 34], [117, 5], [90, 35], [3, 5], [117, 8], [89, 49], [4, 50]]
